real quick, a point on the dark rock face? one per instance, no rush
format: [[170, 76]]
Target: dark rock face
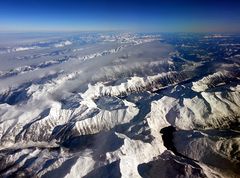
[[111, 170], [167, 136], [168, 165]]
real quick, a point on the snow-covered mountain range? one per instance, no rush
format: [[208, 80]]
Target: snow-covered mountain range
[[120, 105]]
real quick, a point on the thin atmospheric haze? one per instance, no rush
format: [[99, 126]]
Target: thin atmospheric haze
[[151, 15], [119, 89]]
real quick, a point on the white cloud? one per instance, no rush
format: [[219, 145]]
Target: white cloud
[[62, 44]]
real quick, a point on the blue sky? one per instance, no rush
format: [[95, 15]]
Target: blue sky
[[131, 15]]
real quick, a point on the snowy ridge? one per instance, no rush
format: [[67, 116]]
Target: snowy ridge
[[218, 78], [208, 110], [135, 84]]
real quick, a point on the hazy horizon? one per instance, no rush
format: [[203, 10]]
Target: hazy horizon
[[137, 16]]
